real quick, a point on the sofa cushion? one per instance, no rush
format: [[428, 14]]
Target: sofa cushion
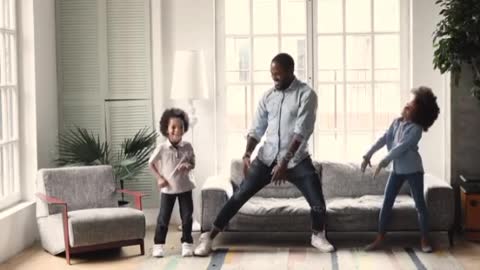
[[346, 180], [343, 214], [362, 213], [104, 225]]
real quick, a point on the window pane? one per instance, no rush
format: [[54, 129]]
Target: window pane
[[237, 17], [386, 15], [359, 107], [264, 49], [235, 145], [237, 52], [2, 115], [330, 58], [259, 90], [14, 113], [359, 58], [236, 107], [294, 17], [262, 76], [329, 16], [358, 18], [387, 57], [387, 104], [330, 111], [297, 48], [12, 14], [357, 146], [265, 16], [3, 57], [2, 14], [13, 60], [329, 147], [3, 168]]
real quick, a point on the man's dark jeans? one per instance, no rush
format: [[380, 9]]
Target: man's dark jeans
[[186, 211], [303, 176]]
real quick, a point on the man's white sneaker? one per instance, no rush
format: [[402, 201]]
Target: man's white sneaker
[[158, 251], [204, 246], [187, 250], [320, 242]]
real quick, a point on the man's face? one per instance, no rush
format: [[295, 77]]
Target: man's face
[[280, 76]]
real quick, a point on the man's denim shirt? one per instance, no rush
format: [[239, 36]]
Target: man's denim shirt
[[281, 114]]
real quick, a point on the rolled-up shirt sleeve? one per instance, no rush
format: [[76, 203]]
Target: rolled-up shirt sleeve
[[260, 121], [306, 115]]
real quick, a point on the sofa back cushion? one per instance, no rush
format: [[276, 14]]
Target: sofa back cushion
[[347, 180], [80, 187]]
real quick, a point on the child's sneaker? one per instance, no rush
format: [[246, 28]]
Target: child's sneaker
[[187, 250], [158, 251]]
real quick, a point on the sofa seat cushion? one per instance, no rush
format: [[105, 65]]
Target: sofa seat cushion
[[343, 214], [361, 213], [104, 225], [275, 206]]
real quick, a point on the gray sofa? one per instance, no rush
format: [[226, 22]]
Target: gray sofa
[[353, 203]]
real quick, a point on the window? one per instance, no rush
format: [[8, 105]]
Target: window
[[349, 51], [9, 165]]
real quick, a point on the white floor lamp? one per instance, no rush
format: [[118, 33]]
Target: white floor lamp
[[189, 84]]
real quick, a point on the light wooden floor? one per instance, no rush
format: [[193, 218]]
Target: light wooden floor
[[467, 253]]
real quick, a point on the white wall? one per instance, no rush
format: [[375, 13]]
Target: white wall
[[38, 118], [435, 144]]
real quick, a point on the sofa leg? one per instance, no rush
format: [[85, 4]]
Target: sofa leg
[[450, 236], [142, 248]]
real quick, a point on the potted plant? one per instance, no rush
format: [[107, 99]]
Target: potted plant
[[80, 147], [457, 40]]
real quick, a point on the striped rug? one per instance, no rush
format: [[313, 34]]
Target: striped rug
[[306, 259]]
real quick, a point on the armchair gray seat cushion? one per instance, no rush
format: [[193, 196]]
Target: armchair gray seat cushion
[[353, 202], [104, 225]]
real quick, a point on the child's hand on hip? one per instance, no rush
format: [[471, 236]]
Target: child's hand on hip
[[161, 183]]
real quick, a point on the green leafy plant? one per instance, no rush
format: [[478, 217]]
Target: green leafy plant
[[456, 39], [80, 147]]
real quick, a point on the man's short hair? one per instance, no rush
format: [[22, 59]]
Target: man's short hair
[[284, 60]]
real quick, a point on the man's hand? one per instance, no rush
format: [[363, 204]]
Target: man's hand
[[279, 173], [161, 183], [365, 163], [380, 166], [185, 167], [246, 163]]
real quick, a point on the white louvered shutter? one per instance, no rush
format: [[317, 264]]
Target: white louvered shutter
[[128, 47], [79, 65]]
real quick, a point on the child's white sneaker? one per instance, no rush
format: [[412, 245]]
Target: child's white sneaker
[[187, 250], [158, 251]]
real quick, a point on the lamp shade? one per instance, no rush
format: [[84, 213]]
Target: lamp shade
[[189, 80]]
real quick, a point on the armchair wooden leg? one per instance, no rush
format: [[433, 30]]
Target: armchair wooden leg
[[142, 248], [67, 256]]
